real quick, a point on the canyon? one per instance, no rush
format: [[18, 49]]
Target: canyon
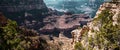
[[56, 27], [36, 15]]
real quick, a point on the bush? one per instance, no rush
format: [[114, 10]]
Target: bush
[[13, 37], [79, 46]]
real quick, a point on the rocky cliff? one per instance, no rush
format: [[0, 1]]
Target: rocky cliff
[[104, 29], [64, 23], [21, 5], [25, 11]]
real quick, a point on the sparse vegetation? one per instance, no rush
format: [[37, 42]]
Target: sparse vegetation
[[14, 38], [108, 37], [79, 46]]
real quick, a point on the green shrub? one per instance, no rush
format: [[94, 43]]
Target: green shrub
[[108, 36], [79, 46]]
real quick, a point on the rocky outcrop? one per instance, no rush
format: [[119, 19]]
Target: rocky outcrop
[[28, 13], [101, 29], [64, 23]]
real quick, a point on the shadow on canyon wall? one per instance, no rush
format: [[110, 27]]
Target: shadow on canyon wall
[[35, 15]]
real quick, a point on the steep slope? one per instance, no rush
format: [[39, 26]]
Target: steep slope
[[25, 11], [13, 37], [104, 30]]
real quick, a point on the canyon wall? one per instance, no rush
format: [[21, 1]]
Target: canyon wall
[[21, 5], [103, 33]]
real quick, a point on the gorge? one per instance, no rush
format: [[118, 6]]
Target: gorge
[[54, 24], [39, 15]]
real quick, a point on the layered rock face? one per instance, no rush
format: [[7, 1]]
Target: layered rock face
[[24, 11], [64, 23], [34, 14], [21, 5]]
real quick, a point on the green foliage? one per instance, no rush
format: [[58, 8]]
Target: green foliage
[[14, 38], [108, 37], [79, 46], [8, 36], [119, 17]]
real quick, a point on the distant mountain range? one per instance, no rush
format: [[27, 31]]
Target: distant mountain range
[[77, 6]]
